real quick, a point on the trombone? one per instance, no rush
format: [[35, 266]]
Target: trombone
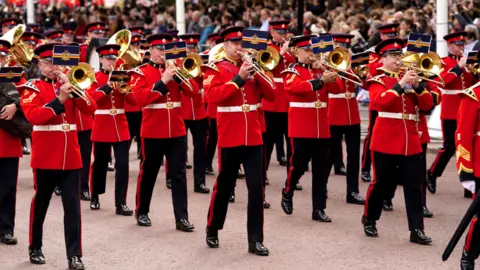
[[339, 61], [81, 78], [428, 64], [179, 73], [264, 60]]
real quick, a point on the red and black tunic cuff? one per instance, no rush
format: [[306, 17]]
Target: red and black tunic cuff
[[56, 106], [317, 84], [238, 81], [160, 87]]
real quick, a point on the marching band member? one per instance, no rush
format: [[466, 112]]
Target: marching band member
[[157, 89], [110, 129], [195, 118], [54, 36], [69, 31], [92, 30], [395, 140], [8, 24], [230, 86], [467, 141], [387, 31], [34, 27], [55, 153], [344, 119], [10, 154], [308, 128], [456, 79]]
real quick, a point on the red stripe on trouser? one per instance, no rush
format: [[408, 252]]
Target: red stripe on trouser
[[32, 206], [140, 175], [214, 193], [287, 185], [440, 152], [90, 181], [468, 242], [374, 180]]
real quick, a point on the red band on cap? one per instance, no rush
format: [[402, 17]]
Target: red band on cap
[[108, 51], [456, 38], [303, 43], [233, 35], [394, 46]]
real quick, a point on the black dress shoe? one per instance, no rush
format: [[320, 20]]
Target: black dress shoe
[[266, 205], [201, 189], [212, 238], [319, 215], [427, 213], [75, 263], [287, 203], [85, 196], [57, 191], [283, 161], [298, 186], [185, 225], [431, 182], [25, 151], [168, 183], [387, 205], [209, 171], [355, 198], [36, 256], [95, 203], [123, 210], [257, 248], [466, 264], [231, 198], [369, 227], [341, 171], [8, 239], [143, 220], [366, 177], [240, 175], [110, 167], [467, 193], [188, 165], [418, 236]]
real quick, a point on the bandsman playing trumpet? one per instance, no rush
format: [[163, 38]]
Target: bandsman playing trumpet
[[306, 88], [456, 79], [395, 140], [48, 105], [110, 129], [157, 87]]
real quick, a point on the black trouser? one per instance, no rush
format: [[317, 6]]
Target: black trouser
[[409, 169], [352, 140], [448, 150], [303, 150], [69, 183], [199, 130], [277, 128], [338, 162], [212, 140], [8, 193], [280, 146], [153, 152], [134, 120], [86, 152], [366, 155], [230, 159], [472, 241], [101, 153]]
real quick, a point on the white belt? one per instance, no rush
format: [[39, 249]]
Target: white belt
[[400, 116], [259, 105], [167, 105], [346, 95], [62, 127], [243, 108], [278, 80], [315, 104], [450, 92], [112, 111]]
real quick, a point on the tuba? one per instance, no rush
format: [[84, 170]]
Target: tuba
[[129, 56], [216, 53], [19, 52], [81, 78]]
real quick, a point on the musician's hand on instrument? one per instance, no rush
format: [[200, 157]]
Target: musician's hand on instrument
[[463, 61], [329, 76], [469, 185], [409, 77], [65, 92], [317, 65], [8, 111], [245, 70], [168, 74], [284, 48]]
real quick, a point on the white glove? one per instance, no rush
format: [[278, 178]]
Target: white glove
[[470, 185]]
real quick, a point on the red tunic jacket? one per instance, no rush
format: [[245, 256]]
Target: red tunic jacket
[[162, 112], [456, 79], [393, 133], [307, 115], [237, 100], [110, 123], [54, 143], [280, 104], [467, 137], [342, 107], [194, 108]]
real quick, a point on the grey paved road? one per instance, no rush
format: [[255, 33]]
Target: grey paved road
[[295, 242]]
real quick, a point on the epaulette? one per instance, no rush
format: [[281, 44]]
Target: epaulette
[[470, 92], [291, 69], [211, 65], [377, 79], [30, 84], [138, 70]]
